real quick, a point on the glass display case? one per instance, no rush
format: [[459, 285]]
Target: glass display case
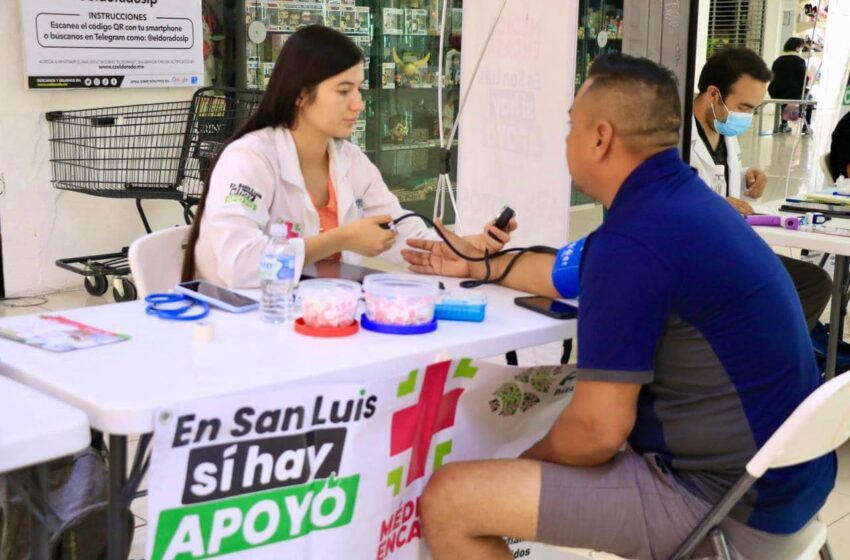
[[600, 31], [399, 130]]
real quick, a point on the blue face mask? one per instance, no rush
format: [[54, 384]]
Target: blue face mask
[[736, 123]]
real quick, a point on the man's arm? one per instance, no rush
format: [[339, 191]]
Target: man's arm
[[592, 428], [531, 273]]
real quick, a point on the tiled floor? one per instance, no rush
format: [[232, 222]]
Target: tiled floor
[[792, 156]]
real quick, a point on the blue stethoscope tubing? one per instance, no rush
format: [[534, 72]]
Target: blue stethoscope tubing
[[178, 313]]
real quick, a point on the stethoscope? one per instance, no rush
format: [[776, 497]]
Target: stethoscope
[[175, 307]]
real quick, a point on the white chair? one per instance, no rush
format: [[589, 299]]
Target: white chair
[[156, 260], [818, 426], [826, 168]]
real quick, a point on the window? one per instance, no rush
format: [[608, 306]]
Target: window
[[736, 23]]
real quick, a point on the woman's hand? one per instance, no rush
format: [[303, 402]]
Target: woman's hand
[[366, 236], [494, 242]]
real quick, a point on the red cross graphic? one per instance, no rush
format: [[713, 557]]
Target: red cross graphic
[[415, 426]]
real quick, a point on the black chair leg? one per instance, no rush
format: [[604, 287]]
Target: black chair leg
[[825, 553], [568, 351]]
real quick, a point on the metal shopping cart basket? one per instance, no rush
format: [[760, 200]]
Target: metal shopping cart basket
[[152, 151]]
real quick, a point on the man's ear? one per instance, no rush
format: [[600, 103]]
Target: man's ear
[[604, 138], [714, 93]]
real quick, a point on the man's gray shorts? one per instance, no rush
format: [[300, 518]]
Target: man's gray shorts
[[632, 508]]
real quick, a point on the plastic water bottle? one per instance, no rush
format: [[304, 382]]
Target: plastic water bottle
[[277, 277]]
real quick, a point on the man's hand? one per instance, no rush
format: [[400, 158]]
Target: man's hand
[[435, 257], [756, 182], [742, 207], [484, 241]]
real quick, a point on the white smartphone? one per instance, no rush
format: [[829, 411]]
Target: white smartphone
[[217, 296]]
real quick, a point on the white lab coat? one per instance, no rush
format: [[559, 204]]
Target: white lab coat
[[714, 175], [258, 181]]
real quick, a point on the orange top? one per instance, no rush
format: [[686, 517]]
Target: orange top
[[328, 218]]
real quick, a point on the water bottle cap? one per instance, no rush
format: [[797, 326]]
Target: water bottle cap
[[279, 230]]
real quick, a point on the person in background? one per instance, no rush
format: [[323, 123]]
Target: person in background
[[789, 80], [692, 348], [288, 164], [839, 153], [732, 85]]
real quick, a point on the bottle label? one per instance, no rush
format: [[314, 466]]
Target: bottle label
[[277, 267]]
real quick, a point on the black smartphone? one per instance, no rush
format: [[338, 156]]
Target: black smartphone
[[548, 306], [336, 269], [841, 210]]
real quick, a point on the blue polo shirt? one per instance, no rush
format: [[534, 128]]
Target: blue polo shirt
[[680, 295]]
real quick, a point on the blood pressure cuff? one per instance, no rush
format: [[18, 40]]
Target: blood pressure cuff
[[565, 272]]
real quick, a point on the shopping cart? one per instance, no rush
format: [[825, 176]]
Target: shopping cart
[[153, 151]]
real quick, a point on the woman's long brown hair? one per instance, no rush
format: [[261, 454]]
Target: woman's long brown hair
[[310, 56]]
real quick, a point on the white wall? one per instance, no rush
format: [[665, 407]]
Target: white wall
[[774, 37], [702, 39], [513, 128], [38, 223]]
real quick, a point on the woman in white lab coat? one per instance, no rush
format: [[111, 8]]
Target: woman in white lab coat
[[287, 165]]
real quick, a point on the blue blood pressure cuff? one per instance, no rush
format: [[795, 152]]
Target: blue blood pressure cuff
[[565, 272]]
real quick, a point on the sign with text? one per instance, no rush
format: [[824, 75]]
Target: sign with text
[[513, 126], [336, 470], [113, 43]]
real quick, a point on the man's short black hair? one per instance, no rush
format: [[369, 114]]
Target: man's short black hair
[[643, 102], [726, 67], [793, 44]]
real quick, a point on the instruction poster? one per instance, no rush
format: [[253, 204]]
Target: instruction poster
[[113, 43], [336, 470]]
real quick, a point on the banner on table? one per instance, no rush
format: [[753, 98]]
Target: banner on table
[[335, 470]]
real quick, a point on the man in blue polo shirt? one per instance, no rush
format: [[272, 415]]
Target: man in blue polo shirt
[[693, 349]]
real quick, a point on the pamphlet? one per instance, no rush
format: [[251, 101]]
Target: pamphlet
[[57, 333]]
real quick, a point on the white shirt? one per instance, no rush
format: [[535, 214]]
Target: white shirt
[[258, 181], [714, 175]]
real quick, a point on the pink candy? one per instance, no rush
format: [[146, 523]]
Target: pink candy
[[329, 303], [400, 311]]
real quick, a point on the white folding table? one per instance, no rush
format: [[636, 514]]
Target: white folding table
[[36, 429], [120, 386]]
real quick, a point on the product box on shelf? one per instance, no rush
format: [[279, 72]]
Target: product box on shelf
[[358, 135], [333, 18], [255, 11], [434, 20], [277, 41], [393, 21], [363, 41], [272, 16], [388, 75], [267, 68], [295, 15], [355, 19], [416, 22]]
